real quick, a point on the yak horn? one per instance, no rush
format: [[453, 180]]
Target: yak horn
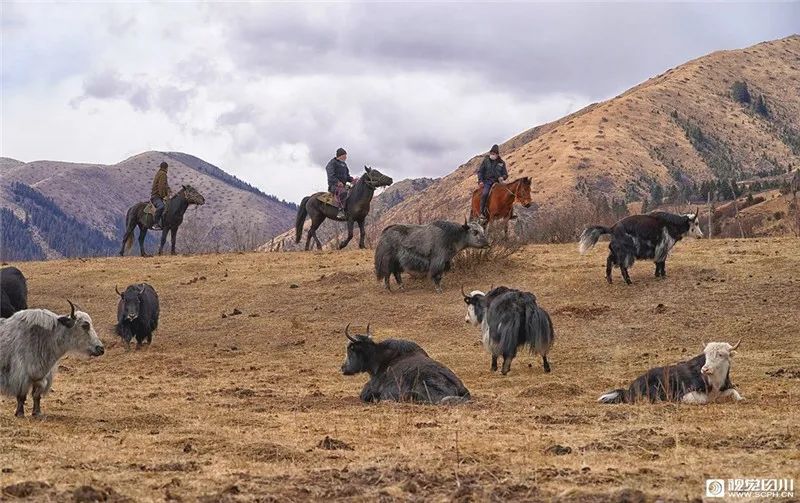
[[347, 333], [462, 292], [697, 211], [368, 333], [72, 309], [116, 289], [737, 344]]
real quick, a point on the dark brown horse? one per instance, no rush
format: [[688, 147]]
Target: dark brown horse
[[356, 208], [173, 217], [502, 198]]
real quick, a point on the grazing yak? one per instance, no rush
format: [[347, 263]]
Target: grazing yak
[[424, 249], [31, 343], [510, 319], [137, 314], [650, 236], [703, 379], [402, 371], [13, 290]]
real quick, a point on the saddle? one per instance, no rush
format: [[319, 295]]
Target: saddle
[[150, 208], [330, 199]]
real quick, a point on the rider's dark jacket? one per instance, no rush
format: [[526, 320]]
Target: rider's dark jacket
[[337, 172], [160, 188], [492, 171]]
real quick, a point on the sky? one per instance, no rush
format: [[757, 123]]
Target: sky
[[269, 91]]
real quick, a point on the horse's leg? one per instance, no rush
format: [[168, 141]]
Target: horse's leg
[[142, 236], [312, 231], [173, 234], [361, 235], [350, 224], [164, 233]]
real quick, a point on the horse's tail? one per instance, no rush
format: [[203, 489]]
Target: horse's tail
[[130, 223], [302, 212]]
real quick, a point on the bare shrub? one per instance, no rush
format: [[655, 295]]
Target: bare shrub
[[500, 250]]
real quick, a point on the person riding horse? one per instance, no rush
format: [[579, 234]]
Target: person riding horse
[[159, 193], [491, 171], [338, 177]]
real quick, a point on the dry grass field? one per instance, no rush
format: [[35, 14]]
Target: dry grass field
[[252, 407]]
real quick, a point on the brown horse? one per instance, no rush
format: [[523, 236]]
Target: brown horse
[[502, 198]]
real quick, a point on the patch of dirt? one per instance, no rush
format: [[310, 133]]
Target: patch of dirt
[[331, 444], [784, 373], [582, 311], [25, 489]]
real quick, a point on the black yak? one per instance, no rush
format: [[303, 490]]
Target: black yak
[[401, 371], [13, 290], [137, 314], [703, 379], [31, 343], [650, 236], [510, 319], [424, 249]]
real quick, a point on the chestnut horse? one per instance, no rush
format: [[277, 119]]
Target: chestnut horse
[[502, 198]]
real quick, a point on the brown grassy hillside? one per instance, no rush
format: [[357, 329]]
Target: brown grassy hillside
[[238, 408], [682, 126], [99, 196]]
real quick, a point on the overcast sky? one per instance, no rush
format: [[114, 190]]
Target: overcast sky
[[269, 91]]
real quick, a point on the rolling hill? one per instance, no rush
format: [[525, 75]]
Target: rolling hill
[[43, 198], [689, 125]]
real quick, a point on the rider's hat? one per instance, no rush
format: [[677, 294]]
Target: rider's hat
[[163, 165], [340, 152], [495, 150]]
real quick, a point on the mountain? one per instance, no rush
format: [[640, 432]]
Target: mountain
[[730, 115], [330, 232], [73, 209]]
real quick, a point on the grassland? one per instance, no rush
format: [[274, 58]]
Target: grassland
[[252, 407]]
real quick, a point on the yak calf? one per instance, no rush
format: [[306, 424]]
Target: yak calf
[[137, 314]]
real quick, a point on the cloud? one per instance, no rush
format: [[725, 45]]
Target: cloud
[[269, 91]]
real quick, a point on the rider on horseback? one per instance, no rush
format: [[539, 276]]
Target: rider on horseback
[[159, 193], [491, 171], [338, 176]]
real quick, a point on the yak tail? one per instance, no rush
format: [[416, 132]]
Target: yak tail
[[590, 236], [539, 334], [614, 396], [302, 212], [385, 259], [130, 223]]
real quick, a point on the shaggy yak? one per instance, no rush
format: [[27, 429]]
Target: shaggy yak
[[426, 249], [401, 371], [650, 236], [703, 379], [510, 319], [31, 343], [137, 314], [13, 290]]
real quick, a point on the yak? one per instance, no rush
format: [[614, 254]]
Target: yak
[[426, 249], [13, 290], [137, 314], [32, 341], [510, 319], [703, 379], [649, 236], [400, 370]]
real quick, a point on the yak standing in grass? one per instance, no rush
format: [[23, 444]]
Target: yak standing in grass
[[650, 236], [401, 371], [703, 379], [137, 314], [425, 249], [32, 342], [13, 290], [510, 319]]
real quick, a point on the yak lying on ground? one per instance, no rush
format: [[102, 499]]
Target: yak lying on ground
[[401, 371], [137, 314], [510, 319], [703, 379], [13, 290], [424, 249], [650, 236], [31, 343]]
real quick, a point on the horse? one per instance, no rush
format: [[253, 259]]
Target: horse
[[501, 200], [174, 209], [356, 208]]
